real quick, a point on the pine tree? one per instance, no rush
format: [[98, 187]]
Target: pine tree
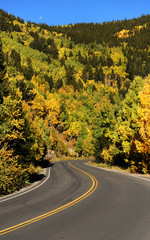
[[2, 73], [28, 71], [128, 126], [16, 59]]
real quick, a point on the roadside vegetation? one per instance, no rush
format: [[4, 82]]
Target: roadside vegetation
[[73, 91]]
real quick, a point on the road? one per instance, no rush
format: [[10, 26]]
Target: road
[[74, 205]]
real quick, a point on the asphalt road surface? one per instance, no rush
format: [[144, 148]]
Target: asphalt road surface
[[91, 204]]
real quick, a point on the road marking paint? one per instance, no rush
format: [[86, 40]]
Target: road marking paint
[[77, 200], [6, 198]]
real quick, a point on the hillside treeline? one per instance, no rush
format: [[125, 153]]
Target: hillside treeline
[[77, 90]]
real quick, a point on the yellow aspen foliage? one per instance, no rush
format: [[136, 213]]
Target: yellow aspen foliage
[[53, 109], [73, 105], [123, 34], [88, 147], [78, 76], [37, 147], [39, 105], [61, 52], [143, 145], [12, 175], [36, 85], [12, 123], [74, 129], [27, 110], [40, 84]]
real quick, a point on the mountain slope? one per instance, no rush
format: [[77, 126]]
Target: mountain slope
[[67, 88]]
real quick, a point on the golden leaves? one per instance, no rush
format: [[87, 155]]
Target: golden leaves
[[143, 145]]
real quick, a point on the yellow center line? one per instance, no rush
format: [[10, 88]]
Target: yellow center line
[[85, 195]]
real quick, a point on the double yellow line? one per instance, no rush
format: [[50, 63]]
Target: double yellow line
[[85, 195]]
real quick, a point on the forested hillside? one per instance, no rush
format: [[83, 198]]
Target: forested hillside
[[77, 90]]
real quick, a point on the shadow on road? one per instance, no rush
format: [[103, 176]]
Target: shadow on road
[[38, 177]]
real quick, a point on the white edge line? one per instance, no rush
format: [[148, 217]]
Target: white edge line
[[148, 180], [20, 194]]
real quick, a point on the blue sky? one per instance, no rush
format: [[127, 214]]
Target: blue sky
[[60, 12]]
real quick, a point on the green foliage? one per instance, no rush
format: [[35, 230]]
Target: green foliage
[[127, 128], [12, 175], [11, 122], [16, 59], [78, 147], [2, 72], [28, 71], [104, 126], [72, 89]]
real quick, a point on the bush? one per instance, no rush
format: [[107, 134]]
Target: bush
[[12, 176]]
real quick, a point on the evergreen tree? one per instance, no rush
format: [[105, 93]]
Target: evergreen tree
[[128, 127], [28, 71], [2, 72], [16, 59], [53, 51], [49, 59]]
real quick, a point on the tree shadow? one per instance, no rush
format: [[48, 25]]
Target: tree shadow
[[43, 164], [35, 177]]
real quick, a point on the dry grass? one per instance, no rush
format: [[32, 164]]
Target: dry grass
[[104, 165], [64, 158], [116, 168]]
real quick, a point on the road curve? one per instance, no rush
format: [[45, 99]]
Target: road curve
[[86, 204]]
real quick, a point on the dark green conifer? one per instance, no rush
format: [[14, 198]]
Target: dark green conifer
[[2, 72]]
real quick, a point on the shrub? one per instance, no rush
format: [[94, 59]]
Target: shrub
[[12, 176]]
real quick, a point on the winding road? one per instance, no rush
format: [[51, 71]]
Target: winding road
[[79, 202]]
